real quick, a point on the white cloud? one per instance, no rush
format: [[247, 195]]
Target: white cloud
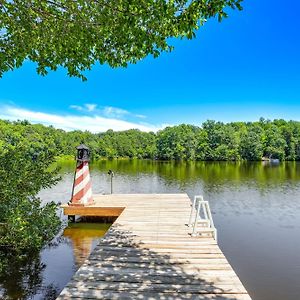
[[85, 107], [76, 107], [70, 122], [106, 111], [90, 107], [114, 112], [141, 116]]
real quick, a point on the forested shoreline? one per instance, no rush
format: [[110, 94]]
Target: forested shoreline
[[28, 151], [213, 141]]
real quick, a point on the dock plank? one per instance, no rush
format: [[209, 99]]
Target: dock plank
[[148, 253]]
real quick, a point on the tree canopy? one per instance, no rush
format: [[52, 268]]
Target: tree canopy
[[214, 141], [76, 34]]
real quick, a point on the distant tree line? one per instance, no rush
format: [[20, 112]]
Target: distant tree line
[[213, 141]]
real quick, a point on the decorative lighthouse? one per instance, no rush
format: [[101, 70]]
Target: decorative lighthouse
[[82, 186]]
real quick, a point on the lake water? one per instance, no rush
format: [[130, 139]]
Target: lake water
[[44, 275], [256, 208]]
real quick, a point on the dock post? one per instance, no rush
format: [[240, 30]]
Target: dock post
[[111, 173], [71, 219]]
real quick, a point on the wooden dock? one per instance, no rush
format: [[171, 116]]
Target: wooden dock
[[148, 253]]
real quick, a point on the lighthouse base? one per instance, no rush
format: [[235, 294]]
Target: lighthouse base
[[75, 210], [80, 204]]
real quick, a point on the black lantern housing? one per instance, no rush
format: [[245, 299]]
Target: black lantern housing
[[83, 153]]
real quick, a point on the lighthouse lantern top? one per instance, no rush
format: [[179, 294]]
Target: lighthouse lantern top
[[83, 153]]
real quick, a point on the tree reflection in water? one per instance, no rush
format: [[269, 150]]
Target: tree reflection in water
[[25, 277]]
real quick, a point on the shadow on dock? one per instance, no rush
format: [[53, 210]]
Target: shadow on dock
[[121, 267]]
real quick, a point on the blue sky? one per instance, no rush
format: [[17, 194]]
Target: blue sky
[[244, 68]]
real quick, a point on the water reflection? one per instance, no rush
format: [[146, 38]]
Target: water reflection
[[84, 237], [23, 278], [256, 209], [208, 172], [43, 275], [207, 177]]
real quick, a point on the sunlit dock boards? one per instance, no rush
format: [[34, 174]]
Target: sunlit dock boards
[[148, 253]]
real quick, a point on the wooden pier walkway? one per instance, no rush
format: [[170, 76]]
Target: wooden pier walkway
[[148, 253]]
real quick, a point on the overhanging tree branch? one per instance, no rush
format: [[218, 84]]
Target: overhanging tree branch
[[77, 34]]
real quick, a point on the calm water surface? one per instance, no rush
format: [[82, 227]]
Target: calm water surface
[[44, 275], [256, 208]]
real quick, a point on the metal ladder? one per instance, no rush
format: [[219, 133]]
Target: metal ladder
[[201, 218]]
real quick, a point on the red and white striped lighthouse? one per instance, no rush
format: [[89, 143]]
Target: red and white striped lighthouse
[[82, 186]]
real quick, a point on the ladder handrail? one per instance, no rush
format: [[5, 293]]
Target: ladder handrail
[[199, 203], [193, 207], [209, 215], [196, 216]]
